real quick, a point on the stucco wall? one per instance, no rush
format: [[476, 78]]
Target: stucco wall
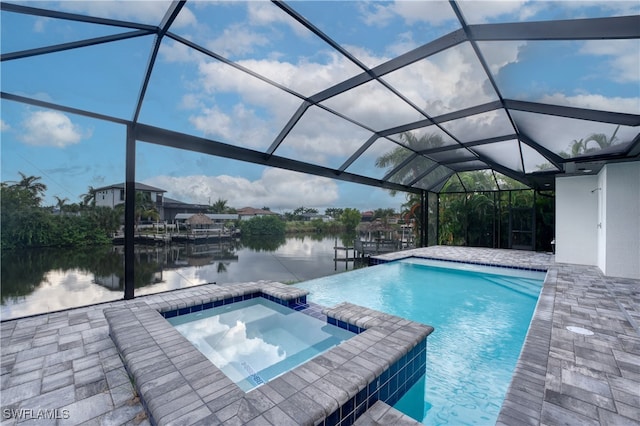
[[108, 198], [621, 197], [577, 220], [602, 219], [598, 220]]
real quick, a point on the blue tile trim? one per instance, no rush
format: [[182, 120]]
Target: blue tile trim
[[388, 387], [347, 326], [299, 304], [375, 261]]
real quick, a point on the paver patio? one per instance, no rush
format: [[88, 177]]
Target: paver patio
[[65, 365]]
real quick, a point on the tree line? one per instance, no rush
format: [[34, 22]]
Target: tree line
[[25, 223]]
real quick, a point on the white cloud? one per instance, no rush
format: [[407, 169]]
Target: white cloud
[[63, 289], [611, 8], [433, 12], [403, 44], [213, 122], [240, 126], [238, 39], [191, 101], [229, 347], [236, 108], [216, 77], [147, 11], [623, 57], [480, 126], [306, 77], [376, 14], [558, 133], [598, 102], [263, 13], [173, 51], [370, 58], [499, 55], [4, 126], [276, 188], [450, 80], [319, 135], [51, 128], [484, 11]]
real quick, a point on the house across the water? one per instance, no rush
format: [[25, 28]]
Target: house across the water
[[168, 208]]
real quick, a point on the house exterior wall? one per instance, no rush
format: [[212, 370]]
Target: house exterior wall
[[602, 219], [577, 220], [111, 197], [598, 220], [621, 227], [108, 198]]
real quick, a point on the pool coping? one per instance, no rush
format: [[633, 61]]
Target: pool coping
[[176, 383]]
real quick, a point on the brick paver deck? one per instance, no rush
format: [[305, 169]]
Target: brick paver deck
[[65, 365]]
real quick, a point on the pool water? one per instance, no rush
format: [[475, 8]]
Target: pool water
[[256, 340], [480, 314]]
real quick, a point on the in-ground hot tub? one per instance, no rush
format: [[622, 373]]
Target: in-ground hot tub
[[256, 340], [178, 384]]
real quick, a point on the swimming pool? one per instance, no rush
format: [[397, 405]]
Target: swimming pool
[[481, 316], [256, 340]]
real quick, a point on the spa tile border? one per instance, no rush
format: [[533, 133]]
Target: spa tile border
[[177, 384]]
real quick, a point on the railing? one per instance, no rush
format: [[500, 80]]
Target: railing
[[376, 247]]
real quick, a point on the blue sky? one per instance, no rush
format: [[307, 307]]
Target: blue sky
[[192, 93]]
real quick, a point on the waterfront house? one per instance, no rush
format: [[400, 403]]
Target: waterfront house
[[247, 213], [113, 195], [168, 208]]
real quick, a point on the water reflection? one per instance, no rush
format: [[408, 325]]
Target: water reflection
[[45, 280]]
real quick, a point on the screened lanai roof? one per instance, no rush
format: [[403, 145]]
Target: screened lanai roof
[[399, 95]]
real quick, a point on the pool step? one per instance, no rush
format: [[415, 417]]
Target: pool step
[[293, 360], [524, 286], [382, 413]]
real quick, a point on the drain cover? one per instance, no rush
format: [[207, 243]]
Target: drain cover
[[580, 330]]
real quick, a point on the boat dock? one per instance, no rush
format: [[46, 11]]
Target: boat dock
[[362, 250], [212, 236]]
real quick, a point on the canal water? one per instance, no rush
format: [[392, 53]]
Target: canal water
[[47, 280]]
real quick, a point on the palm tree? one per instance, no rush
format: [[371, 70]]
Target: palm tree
[[579, 147], [90, 197], [466, 210], [145, 207], [219, 206], [412, 211], [601, 139], [60, 203], [31, 185], [106, 218], [395, 157]]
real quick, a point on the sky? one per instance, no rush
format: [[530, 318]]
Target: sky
[[195, 94]]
